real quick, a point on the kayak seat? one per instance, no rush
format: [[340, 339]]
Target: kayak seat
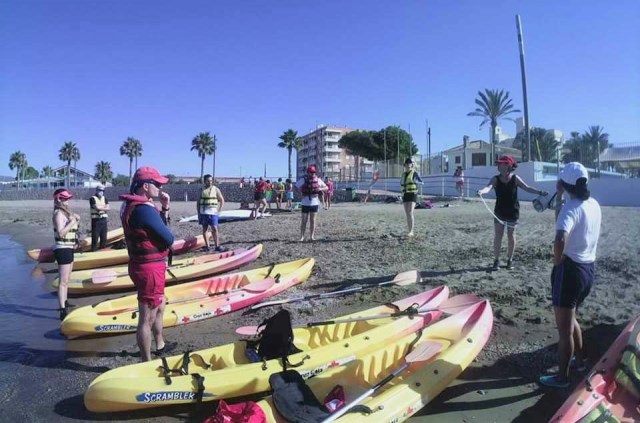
[[628, 373]]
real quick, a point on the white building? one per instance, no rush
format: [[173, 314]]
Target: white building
[[320, 147]]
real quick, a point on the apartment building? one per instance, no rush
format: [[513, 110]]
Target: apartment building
[[320, 147]]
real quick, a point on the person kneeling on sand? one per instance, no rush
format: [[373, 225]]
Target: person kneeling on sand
[[507, 208], [573, 274], [310, 186]]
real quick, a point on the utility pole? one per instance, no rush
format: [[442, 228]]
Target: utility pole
[[386, 163], [524, 88], [429, 140]]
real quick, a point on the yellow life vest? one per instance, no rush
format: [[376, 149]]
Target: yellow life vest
[[628, 372], [208, 198], [408, 186], [69, 239], [95, 213]]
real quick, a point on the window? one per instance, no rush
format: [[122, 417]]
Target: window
[[478, 159], [457, 159]]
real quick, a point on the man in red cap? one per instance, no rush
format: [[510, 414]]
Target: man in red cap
[[310, 186], [148, 242], [507, 208]]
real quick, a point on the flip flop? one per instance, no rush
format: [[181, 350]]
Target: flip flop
[[552, 381]]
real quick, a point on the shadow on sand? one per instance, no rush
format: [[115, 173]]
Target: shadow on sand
[[519, 371]]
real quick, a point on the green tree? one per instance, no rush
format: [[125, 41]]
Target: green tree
[[371, 144], [586, 147], [544, 145], [204, 144], [31, 173], [172, 178], [290, 140], [18, 161], [67, 153], [132, 148], [47, 172], [103, 172], [493, 105], [121, 180]]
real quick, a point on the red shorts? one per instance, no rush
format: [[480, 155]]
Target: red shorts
[[149, 279]]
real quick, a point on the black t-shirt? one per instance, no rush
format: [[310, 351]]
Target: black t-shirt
[[507, 205]]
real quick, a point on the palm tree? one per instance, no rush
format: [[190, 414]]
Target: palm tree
[[492, 106], [204, 145], [132, 148], [594, 140], [574, 148], [103, 172], [47, 171], [215, 147], [290, 141], [67, 153], [18, 161], [75, 155]]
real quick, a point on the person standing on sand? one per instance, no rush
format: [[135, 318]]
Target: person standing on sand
[[459, 177], [259, 198], [279, 191], [374, 179], [573, 274], [507, 208], [148, 242], [310, 186], [210, 205], [288, 187], [99, 206], [409, 184], [65, 230], [329, 195]]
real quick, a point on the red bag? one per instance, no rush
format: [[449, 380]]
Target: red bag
[[243, 412]]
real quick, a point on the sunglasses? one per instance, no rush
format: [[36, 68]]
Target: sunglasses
[[154, 183]]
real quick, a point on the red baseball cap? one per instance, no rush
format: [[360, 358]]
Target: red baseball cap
[[148, 173], [312, 169], [62, 194], [508, 160]]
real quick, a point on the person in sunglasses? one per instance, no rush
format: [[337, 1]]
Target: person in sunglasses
[[148, 242]]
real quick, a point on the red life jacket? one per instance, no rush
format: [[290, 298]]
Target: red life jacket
[[139, 244], [311, 185]]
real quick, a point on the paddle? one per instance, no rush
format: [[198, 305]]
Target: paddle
[[450, 306], [253, 287], [401, 279], [100, 276], [423, 352]]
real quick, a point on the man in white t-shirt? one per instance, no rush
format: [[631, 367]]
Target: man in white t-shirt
[[309, 187], [574, 251]]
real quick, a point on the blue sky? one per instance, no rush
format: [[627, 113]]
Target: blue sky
[[98, 71]]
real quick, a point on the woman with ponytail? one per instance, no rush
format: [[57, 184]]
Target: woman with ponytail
[[573, 274], [65, 230]]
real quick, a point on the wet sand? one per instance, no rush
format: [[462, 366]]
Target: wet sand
[[365, 244]]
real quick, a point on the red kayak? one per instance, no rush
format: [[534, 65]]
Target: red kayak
[[45, 255], [611, 391]]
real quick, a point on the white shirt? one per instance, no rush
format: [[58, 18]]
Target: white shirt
[[581, 221], [314, 200]]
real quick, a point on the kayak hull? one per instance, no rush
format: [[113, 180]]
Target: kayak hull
[[188, 302], [82, 282], [45, 255], [231, 374], [459, 337], [598, 391]]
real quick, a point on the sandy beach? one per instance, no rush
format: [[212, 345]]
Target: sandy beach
[[357, 244]]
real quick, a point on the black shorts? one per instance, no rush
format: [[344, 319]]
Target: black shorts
[[63, 255], [571, 283], [259, 196], [309, 209], [410, 197]]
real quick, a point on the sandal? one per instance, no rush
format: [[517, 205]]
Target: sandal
[[553, 381], [573, 364]]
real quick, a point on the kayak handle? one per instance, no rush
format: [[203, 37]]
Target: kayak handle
[[591, 376]]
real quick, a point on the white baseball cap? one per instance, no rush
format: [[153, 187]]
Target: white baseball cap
[[572, 172]]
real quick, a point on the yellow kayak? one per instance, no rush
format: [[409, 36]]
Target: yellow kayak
[[117, 278], [227, 372], [45, 255], [105, 258], [458, 338], [191, 301]]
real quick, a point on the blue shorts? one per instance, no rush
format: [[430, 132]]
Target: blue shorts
[[309, 209], [208, 220], [290, 196], [571, 283]]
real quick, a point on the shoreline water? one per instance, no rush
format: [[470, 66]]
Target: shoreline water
[[359, 244]]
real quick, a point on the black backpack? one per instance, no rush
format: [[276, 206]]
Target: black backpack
[[276, 338]]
